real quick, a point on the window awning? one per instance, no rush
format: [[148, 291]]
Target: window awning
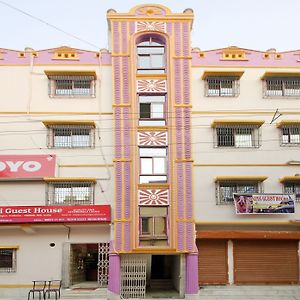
[[280, 74], [48, 123], [222, 73], [73, 179], [289, 179], [287, 122], [240, 178], [236, 122], [51, 73]]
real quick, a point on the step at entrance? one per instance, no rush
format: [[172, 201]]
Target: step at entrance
[[161, 284], [84, 293]]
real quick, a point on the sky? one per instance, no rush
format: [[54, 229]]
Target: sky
[[251, 24]]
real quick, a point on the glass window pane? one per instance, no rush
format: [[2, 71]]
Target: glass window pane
[[243, 140], [145, 110], [159, 165], [144, 62], [160, 226], [157, 61], [153, 178], [151, 98], [151, 152], [157, 111], [146, 166]]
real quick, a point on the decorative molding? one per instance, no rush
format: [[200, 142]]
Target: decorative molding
[[150, 26], [151, 86], [152, 138], [153, 197]]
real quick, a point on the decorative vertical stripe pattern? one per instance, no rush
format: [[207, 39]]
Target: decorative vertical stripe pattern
[[191, 282], [114, 272]]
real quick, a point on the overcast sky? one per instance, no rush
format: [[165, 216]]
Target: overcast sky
[[252, 24]]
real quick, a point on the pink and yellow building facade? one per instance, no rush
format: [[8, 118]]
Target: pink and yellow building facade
[[122, 166]]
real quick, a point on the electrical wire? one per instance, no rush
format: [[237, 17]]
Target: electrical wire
[[48, 24]]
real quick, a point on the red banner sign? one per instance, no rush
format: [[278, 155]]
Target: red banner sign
[[54, 214], [27, 166]]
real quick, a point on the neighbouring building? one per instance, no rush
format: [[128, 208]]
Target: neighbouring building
[[149, 166]]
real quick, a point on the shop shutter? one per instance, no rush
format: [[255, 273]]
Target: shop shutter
[[266, 261], [212, 262]]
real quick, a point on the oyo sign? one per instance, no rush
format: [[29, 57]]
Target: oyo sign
[[27, 166]]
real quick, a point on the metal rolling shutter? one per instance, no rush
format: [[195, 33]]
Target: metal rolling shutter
[[212, 261], [266, 261]]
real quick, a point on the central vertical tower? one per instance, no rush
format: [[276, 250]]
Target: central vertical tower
[[154, 234]]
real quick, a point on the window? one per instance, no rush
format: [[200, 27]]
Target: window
[[237, 136], [70, 193], [151, 56], [153, 166], [71, 136], [281, 87], [292, 188], [222, 86], [71, 86], [153, 224], [290, 135], [225, 189], [8, 258], [152, 110]]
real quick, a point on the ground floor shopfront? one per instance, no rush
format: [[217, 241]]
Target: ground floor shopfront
[[74, 253], [261, 256]]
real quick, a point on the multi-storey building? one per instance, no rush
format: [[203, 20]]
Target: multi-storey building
[[150, 165]]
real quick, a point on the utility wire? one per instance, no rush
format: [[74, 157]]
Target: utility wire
[[48, 24]]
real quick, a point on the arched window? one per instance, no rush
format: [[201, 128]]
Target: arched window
[[151, 56]]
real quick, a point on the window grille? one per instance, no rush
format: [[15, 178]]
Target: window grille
[[292, 188], [151, 57], [70, 193], [290, 135], [152, 110], [71, 136], [72, 86], [225, 189], [237, 136], [222, 86], [281, 87], [8, 258], [153, 165]]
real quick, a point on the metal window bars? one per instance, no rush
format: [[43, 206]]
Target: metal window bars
[[290, 135], [223, 86], [71, 136], [281, 87], [225, 190], [237, 136], [7, 260], [70, 193], [72, 86], [103, 264], [292, 188]]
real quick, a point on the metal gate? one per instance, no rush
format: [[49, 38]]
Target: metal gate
[[133, 276], [103, 253]]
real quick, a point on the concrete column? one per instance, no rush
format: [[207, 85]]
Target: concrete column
[[230, 262], [191, 281], [114, 278]]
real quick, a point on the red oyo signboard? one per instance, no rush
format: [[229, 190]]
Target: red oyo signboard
[[54, 214], [27, 166]]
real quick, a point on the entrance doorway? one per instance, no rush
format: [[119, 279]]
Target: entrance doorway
[[165, 276], [89, 263]]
